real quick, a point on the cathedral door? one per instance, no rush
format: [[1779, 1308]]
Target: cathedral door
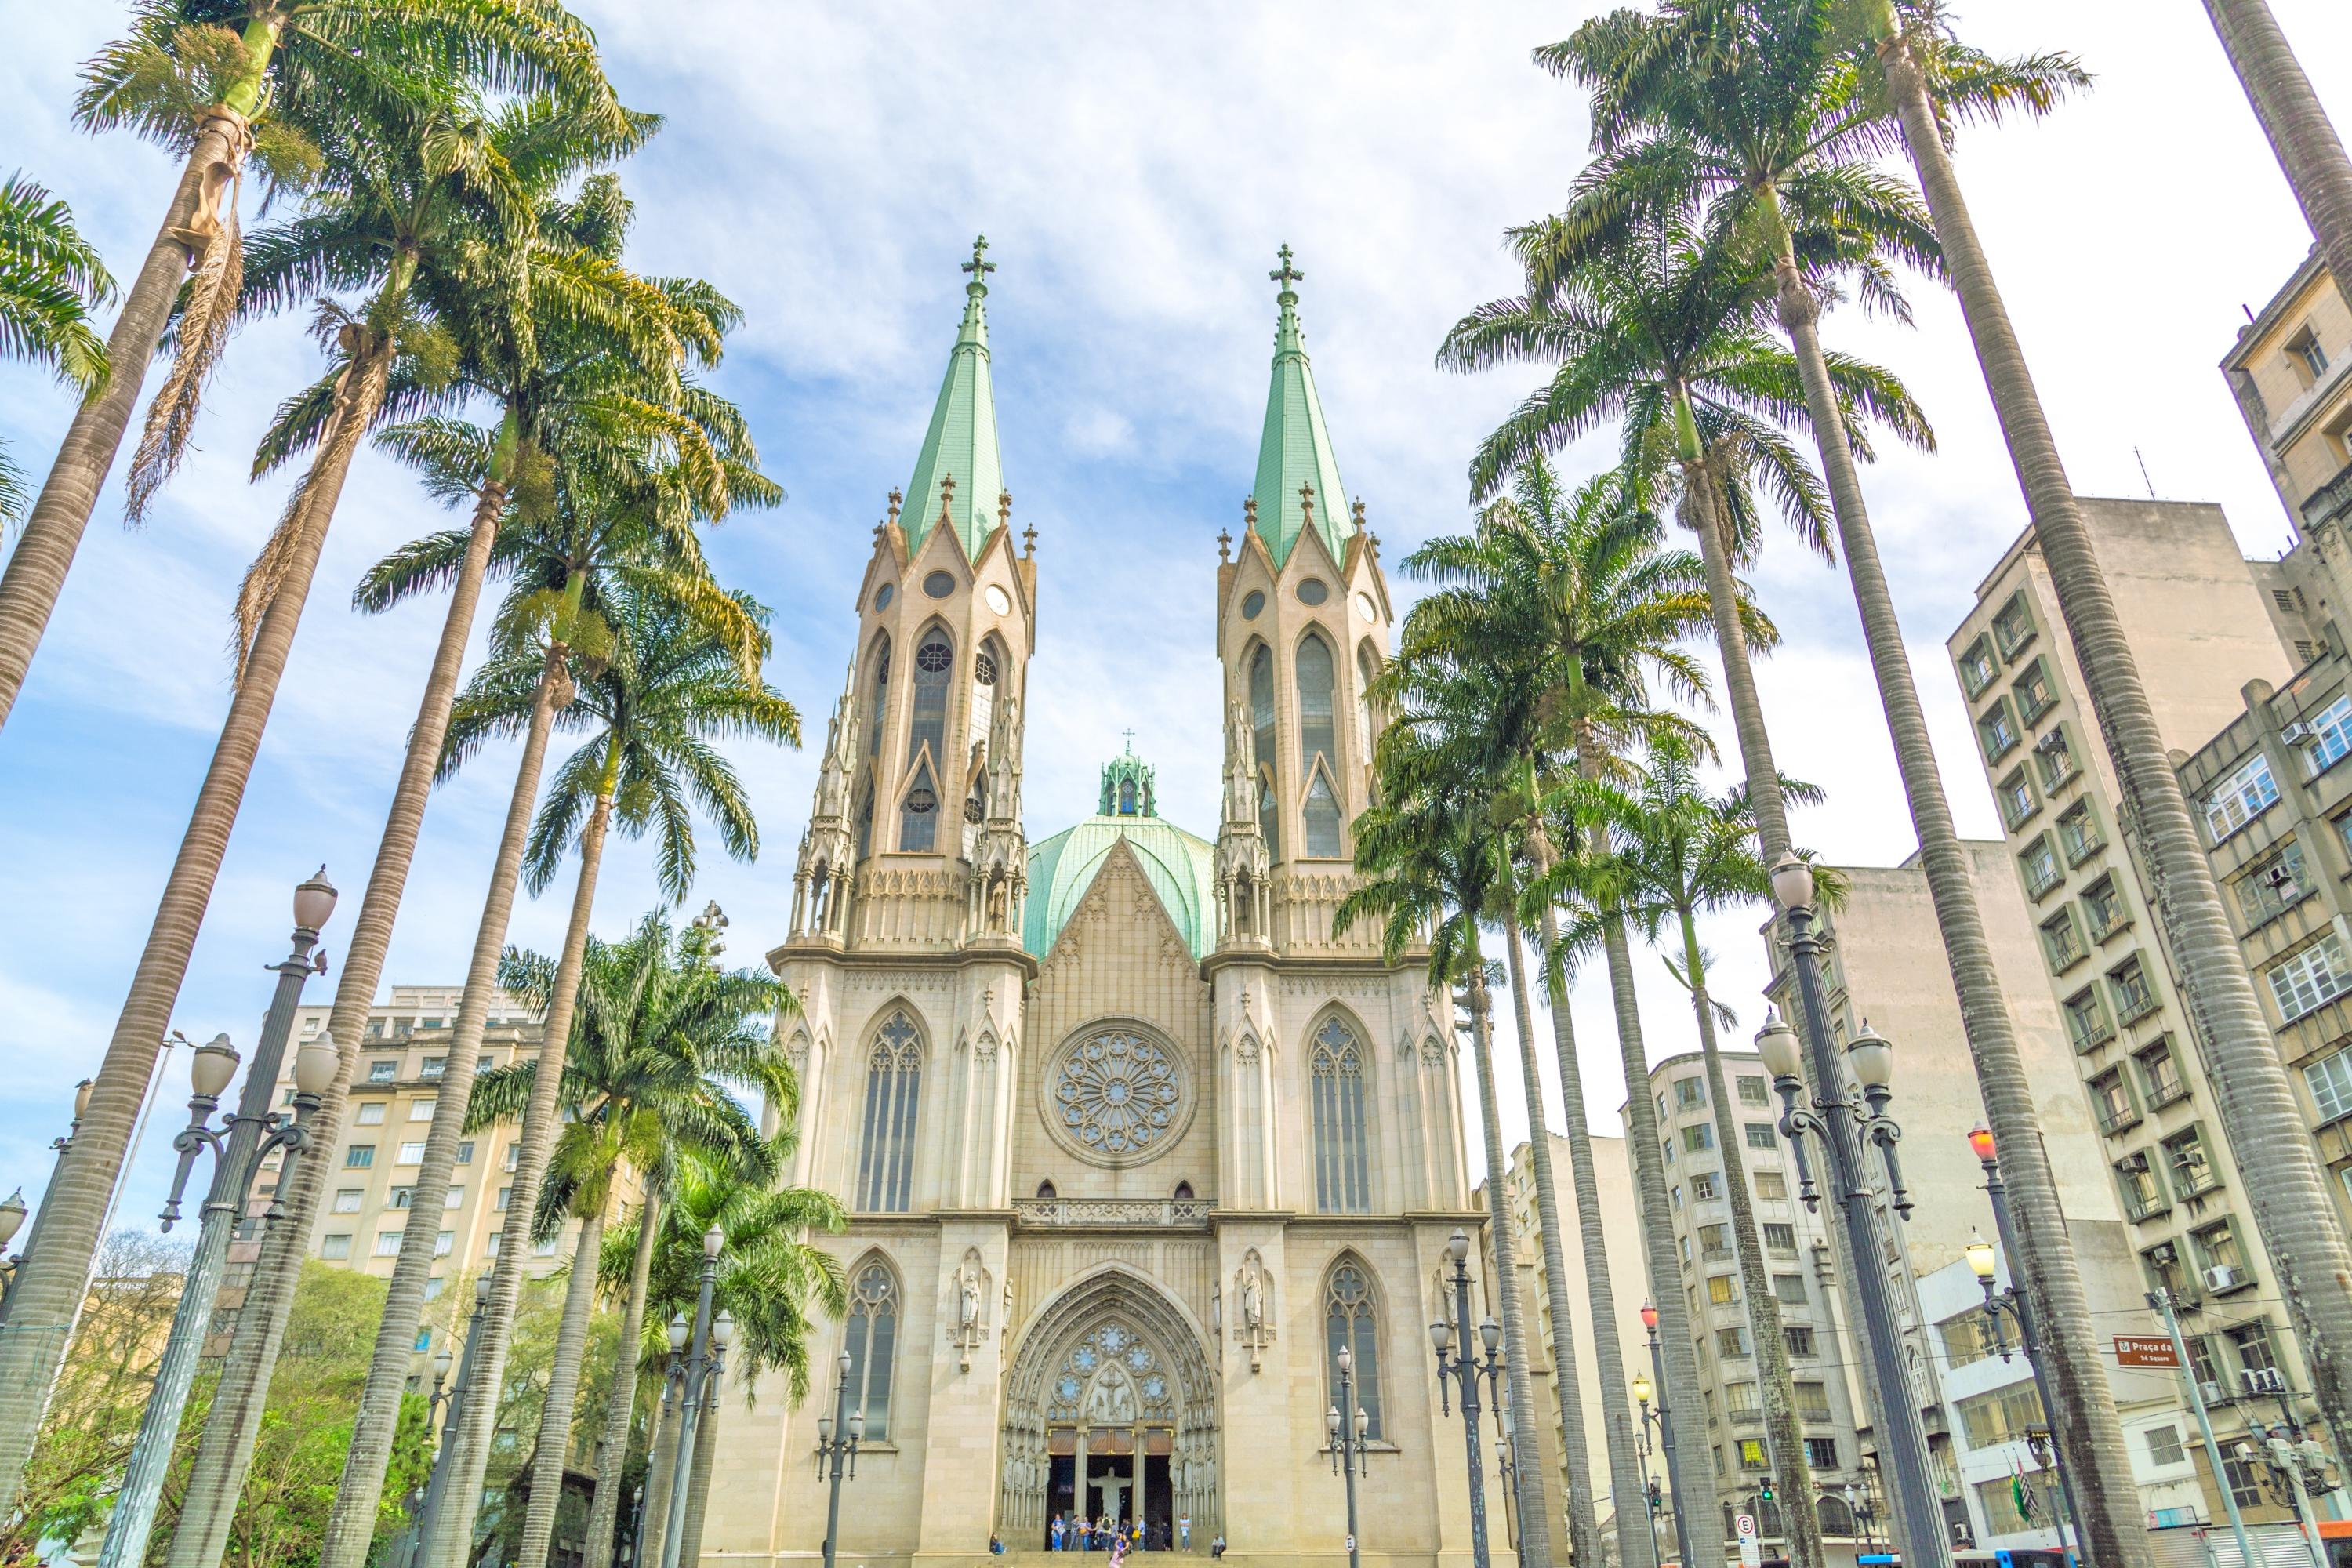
[[1110, 1412]]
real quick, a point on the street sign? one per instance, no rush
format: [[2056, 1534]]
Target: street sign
[[1751, 1550], [2146, 1350]]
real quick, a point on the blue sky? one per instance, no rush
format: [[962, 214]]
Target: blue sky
[[827, 167]]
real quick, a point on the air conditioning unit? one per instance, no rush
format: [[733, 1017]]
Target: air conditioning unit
[[2263, 1379], [2054, 742], [2224, 1277], [2214, 1393], [2163, 1251], [2280, 881], [2296, 733]]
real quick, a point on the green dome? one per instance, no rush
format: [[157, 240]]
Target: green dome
[[1179, 865]]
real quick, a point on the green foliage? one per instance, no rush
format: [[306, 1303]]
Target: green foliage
[[50, 280]]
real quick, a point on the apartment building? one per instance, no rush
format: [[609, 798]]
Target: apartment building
[[2291, 371]]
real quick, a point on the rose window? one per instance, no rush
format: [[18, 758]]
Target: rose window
[[1117, 1093]]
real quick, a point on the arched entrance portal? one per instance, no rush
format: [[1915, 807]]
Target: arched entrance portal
[[1111, 1409]]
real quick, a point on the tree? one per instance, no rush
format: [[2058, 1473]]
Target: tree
[[2285, 1187], [544, 320], [658, 1032], [667, 686], [218, 82], [771, 1277], [1434, 866], [1756, 111], [50, 278], [2301, 137]]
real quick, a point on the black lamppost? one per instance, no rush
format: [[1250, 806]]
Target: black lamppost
[[1643, 1389], [1349, 1426], [437, 1482], [706, 1358], [1463, 1364], [1859, 1504], [1984, 1262], [1682, 1536], [837, 1436], [1845, 1119]]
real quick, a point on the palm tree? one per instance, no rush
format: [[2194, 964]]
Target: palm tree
[[50, 277], [2301, 136], [218, 83], [769, 1278], [2285, 1187], [658, 1031], [1758, 113], [667, 686], [411, 171], [1435, 867], [568, 327]]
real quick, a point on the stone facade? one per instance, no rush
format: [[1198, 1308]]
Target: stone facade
[[1132, 1139]]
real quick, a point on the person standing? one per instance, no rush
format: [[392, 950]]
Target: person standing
[[1185, 1533]]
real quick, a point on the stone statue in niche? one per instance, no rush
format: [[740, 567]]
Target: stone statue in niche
[[968, 1324], [1253, 1294]]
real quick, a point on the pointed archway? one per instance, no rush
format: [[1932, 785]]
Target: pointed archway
[[1111, 1408]]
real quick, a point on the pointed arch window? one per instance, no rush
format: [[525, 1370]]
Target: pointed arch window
[[872, 1342], [1261, 689], [1367, 669], [879, 701], [894, 1081], [933, 661], [866, 820], [1317, 748], [987, 669], [919, 815], [1350, 1320], [1343, 1183]]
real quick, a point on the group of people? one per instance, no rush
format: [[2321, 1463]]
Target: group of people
[[1118, 1537]]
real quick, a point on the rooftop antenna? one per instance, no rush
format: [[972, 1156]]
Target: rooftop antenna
[[2142, 474]]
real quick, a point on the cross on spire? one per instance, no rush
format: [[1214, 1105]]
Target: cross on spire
[[979, 266], [1287, 274], [1131, 741]]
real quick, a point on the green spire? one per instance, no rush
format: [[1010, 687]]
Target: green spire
[[1126, 787], [961, 442], [1295, 449]]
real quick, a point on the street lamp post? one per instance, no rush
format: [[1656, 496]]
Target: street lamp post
[[1349, 1426], [12, 1219], [1643, 1389], [706, 1358], [253, 1132], [1844, 1119], [12, 1213], [1684, 1539], [437, 1482], [837, 1436], [1463, 1364], [1983, 1262]]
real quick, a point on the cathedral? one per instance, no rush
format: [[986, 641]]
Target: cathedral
[[1133, 1141]]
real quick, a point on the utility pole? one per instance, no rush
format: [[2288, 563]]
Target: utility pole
[[2161, 1301]]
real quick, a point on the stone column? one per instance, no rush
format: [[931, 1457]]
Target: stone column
[[962, 1438]]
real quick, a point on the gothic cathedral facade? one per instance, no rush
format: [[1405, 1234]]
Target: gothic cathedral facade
[[1131, 1138]]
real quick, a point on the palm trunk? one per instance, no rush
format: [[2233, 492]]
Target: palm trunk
[[1584, 1522], [1775, 1380], [234, 1422], [47, 1292], [540, 1122], [2105, 1496], [612, 1456], [698, 1481], [350, 1524], [563, 1394], [1616, 1403], [1535, 1524], [2285, 1186], [2301, 137], [45, 550], [661, 1462]]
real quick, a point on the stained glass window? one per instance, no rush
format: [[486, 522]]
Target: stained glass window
[[1342, 1164], [1348, 1320], [1260, 686], [886, 1161], [872, 1344]]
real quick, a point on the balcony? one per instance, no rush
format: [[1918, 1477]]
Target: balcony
[[1113, 1213], [2115, 1119], [2161, 1095], [2330, 501]]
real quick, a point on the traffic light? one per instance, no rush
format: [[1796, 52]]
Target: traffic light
[[1656, 1500], [1764, 1492]]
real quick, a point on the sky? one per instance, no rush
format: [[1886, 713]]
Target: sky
[[1133, 169]]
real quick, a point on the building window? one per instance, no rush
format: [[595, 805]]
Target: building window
[[2310, 361], [2038, 863], [1801, 1339], [1780, 1237], [1752, 1092], [347, 1200], [2034, 691], [2256, 1353], [2273, 885], [1976, 667], [2330, 1080], [1760, 1135], [1682, 1242], [1719, 1290], [545, 1248], [1814, 1401], [1698, 1139], [2218, 1248], [2245, 1480], [1751, 1453], [1997, 730], [1771, 1186], [412, 1153], [2078, 833], [1714, 1242], [1343, 1183], [2104, 903], [2309, 979], [505, 1195], [2001, 1416], [894, 1078], [444, 1241], [2135, 1179], [879, 700], [2012, 625], [2087, 1019], [1789, 1289], [1690, 1093], [872, 1342], [2062, 941], [2164, 1446], [335, 1249], [1966, 1340], [2185, 1162], [514, 1151], [1261, 687], [2135, 998], [387, 1243], [421, 1110], [1998, 1498], [371, 1115], [1317, 748], [358, 1156], [2327, 735], [2111, 1095], [1703, 1185], [384, 1072], [1822, 1454], [403, 1197], [1732, 1344], [2159, 1074], [466, 1152], [2054, 758], [2017, 801], [1348, 1320], [431, 1069], [2238, 799]]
